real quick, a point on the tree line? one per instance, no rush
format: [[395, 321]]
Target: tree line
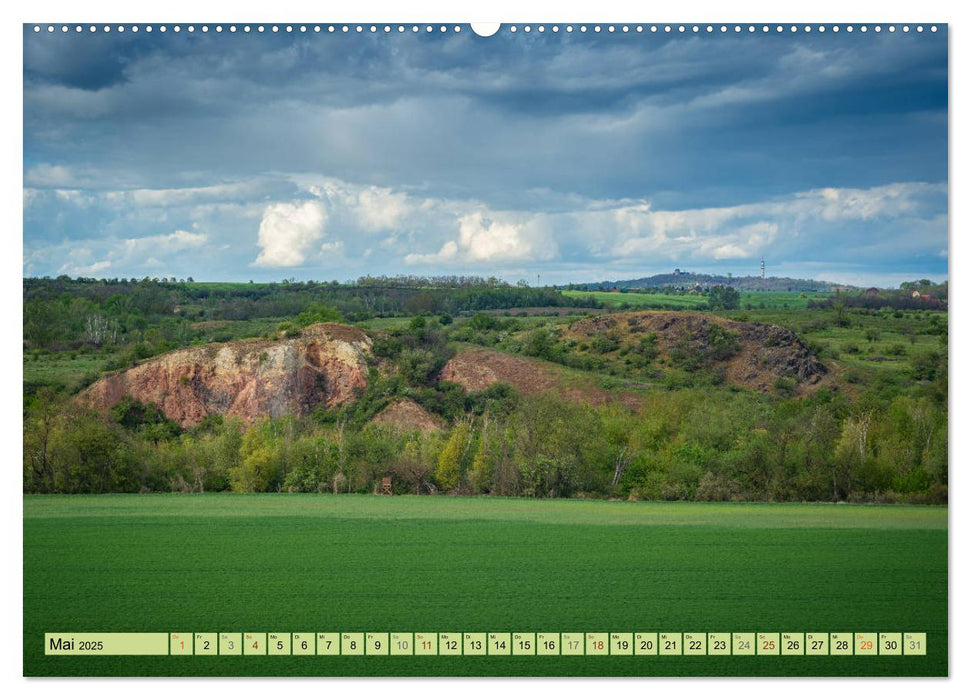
[[680, 445]]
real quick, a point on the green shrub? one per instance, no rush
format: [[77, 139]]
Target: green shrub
[[603, 343], [722, 343]]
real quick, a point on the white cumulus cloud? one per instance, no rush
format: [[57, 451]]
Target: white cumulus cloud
[[165, 243], [380, 209], [494, 239], [289, 232]]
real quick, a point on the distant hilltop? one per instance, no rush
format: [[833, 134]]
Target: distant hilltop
[[691, 279]]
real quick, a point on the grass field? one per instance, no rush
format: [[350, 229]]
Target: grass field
[[638, 300], [61, 369], [364, 563], [643, 301]]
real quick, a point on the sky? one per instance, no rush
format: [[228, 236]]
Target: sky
[[554, 157]]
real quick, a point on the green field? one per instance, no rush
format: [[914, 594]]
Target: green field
[[638, 300], [688, 302], [283, 563], [60, 369]]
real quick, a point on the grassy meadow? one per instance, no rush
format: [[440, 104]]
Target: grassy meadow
[[689, 302], [289, 562]]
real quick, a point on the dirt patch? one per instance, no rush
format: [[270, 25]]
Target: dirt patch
[[337, 331], [405, 415], [479, 369], [476, 370]]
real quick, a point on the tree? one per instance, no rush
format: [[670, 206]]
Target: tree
[[39, 424], [450, 460], [839, 306], [617, 431], [416, 461], [260, 464], [723, 297], [481, 474]]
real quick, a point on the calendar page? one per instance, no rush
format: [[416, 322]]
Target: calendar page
[[524, 349]]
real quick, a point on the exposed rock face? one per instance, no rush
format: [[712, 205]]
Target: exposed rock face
[[324, 367]]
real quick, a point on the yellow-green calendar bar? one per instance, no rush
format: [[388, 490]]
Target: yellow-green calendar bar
[[106, 644], [532, 644]]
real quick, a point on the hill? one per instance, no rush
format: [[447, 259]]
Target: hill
[[680, 279], [779, 401], [757, 356], [252, 379]]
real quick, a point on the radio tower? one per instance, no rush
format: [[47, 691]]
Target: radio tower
[[762, 267]]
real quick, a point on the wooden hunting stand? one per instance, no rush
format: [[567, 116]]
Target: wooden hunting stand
[[386, 486]]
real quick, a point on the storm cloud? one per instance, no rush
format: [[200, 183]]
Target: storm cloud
[[575, 156]]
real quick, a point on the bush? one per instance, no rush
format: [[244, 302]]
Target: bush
[[719, 487], [785, 386], [317, 313], [289, 330], [418, 365], [542, 343], [484, 322], [815, 326], [925, 365], [722, 343], [603, 344], [387, 347]]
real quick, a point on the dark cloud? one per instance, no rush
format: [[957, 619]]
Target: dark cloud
[[538, 123]]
